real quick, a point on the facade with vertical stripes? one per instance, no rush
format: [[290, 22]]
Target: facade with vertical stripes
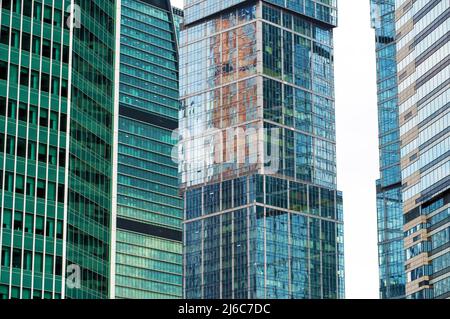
[[263, 218], [56, 113]]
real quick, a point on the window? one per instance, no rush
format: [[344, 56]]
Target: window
[[58, 266], [36, 48], [17, 258], [54, 120], [440, 238], [26, 41], [23, 112], [65, 54], [59, 229], [43, 118], [42, 155], [46, 48], [298, 197], [38, 262], [441, 287], [60, 193], [4, 35], [3, 70], [48, 14], [16, 6], [6, 4], [211, 198], [226, 195], [55, 85], [32, 114], [18, 221], [20, 184], [7, 219], [2, 106], [49, 264], [25, 76], [52, 155], [314, 200], [30, 186], [51, 191], [5, 256], [32, 150], [21, 147], [37, 10], [27, 8], [45, 82], [64, 88], [37, 294], [12, 107], [41, 191], [27, 264], [34, 80], [57, 19]]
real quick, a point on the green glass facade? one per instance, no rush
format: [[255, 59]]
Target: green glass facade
[[263, 217], [56, 110], [149, 209], [91, 145], [34, 79]]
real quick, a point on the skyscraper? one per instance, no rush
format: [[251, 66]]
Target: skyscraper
[[422, 29], [149, 209], [56, 113], [89, 187], [263, 218], [389, 198]]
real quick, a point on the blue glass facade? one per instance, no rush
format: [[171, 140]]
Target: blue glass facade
[[149, 209], [424, 114], [389, 200], [263, 218], [34, 65]]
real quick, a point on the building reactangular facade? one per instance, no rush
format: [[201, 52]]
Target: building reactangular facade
[[263, 218], [422, 30]]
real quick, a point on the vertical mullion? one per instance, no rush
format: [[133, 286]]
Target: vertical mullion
[[37, 149], [15, 156], [4, 147]]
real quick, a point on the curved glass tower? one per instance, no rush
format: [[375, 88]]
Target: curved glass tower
[[149, 208]]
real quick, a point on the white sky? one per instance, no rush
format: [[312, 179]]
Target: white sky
[[357, 130]]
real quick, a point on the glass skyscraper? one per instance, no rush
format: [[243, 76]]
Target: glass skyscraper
[[86, 138], [422, 29], [263, 218], [389, 198], [149, 209], [56, 136]]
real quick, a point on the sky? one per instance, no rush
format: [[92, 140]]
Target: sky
[[357, 143]]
